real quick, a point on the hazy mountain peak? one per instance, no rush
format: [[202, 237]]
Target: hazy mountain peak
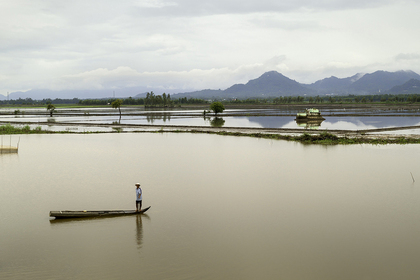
[[357, 77]]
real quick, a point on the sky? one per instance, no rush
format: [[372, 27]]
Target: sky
[[173, 45]]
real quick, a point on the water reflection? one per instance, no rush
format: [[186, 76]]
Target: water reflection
[[54, 221], [152, 118], [217, 122], [309, 124], [313, 221], [4, 155], [51, 121], [139, 229]]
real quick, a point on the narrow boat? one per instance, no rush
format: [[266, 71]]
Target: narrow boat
[[309, 114], [67, 214]]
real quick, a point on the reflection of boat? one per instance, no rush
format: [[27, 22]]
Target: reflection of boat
[[309, 124], [89, 214], [309, 114]]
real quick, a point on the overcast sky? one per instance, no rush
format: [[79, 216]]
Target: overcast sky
[[191, 44]]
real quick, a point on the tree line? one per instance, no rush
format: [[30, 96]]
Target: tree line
[[151, 100]]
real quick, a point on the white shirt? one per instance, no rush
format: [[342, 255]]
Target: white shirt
[[139, 194]]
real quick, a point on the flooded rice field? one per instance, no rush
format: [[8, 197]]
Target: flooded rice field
[[88, 119], [223, 207]]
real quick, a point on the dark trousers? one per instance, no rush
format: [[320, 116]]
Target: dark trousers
[[138, 204]]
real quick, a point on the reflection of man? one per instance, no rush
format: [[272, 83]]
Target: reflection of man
[[139, 197], [139, 236]]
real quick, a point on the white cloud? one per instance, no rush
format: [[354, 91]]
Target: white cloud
[[200, 44], [194, 79], [408, 56], [154, 4]]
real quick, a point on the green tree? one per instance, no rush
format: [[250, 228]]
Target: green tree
[[217, 107], [117, 105], [50, 108], [164, 100]]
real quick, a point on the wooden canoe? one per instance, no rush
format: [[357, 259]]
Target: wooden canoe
[[67, 214]]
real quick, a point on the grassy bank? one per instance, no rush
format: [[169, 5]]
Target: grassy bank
[[10, 129], [324, 138]]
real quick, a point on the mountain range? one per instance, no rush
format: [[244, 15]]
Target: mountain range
[[274, 84], [269, 84]]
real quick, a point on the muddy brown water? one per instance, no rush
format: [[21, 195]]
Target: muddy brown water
[[222, 208]]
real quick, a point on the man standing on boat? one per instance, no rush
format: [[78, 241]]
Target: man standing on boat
[[139, 197]]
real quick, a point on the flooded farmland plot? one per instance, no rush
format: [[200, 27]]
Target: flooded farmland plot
[[103, 119], [223, 207]]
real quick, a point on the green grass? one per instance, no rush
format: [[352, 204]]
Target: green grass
[[325, 138], [9, 129]]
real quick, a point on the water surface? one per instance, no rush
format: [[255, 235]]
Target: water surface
[[222, 208]]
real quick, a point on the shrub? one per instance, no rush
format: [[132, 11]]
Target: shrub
[[217, 107]]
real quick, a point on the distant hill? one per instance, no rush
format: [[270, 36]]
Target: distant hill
[[39, 94], [410, 87], [334, 85], [269, 84], [380, 81], [376, 82], [274, 84]]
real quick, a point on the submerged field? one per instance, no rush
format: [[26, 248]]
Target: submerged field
[[343, 124]]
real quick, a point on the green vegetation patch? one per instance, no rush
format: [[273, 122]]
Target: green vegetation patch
[[10, 129], [325, 138]]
